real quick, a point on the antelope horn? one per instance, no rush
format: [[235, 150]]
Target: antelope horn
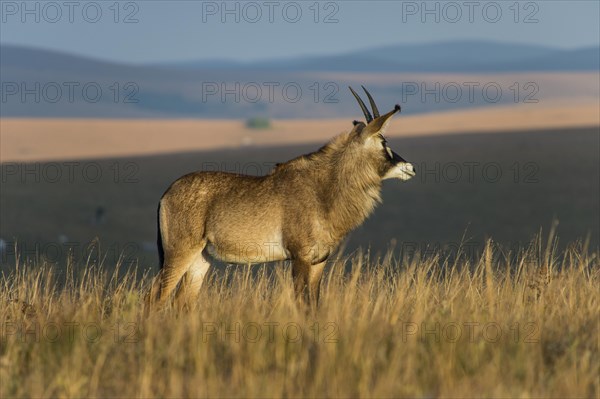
[[375, 110], [362, 106]]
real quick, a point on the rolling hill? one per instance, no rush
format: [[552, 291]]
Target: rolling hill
[[45, 83]]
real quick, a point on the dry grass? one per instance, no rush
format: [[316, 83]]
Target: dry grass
[[504, 325]]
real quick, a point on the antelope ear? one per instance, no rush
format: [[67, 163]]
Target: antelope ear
[[378, 125], [357, 129]]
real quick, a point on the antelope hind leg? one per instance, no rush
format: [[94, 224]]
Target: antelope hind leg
[[192, 280], [173, 270]]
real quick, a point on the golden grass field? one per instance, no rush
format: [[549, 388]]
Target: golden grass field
[[502, 325]]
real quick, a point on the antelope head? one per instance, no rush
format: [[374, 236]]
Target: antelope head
[[371, 135]]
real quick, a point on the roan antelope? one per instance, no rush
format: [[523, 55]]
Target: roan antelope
[[300, 211]]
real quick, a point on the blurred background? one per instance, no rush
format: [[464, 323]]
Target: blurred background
[[104, 104]]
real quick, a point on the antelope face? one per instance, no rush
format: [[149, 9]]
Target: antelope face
[[389, 164], [395, 166]]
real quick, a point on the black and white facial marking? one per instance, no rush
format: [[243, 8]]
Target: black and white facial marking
[[396, 167]]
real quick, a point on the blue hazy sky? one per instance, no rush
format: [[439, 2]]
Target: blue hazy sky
[[158, 31]]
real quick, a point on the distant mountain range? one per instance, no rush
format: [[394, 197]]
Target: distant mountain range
[[457, 56], [44, 83]]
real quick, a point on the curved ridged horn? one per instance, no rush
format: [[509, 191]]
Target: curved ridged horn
[[364, 108], [373, 106]]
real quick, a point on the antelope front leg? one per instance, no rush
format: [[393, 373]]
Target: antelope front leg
[[301, 278], [307, 282], [314, 283]]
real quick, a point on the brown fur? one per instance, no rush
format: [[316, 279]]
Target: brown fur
[[300, 211]]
